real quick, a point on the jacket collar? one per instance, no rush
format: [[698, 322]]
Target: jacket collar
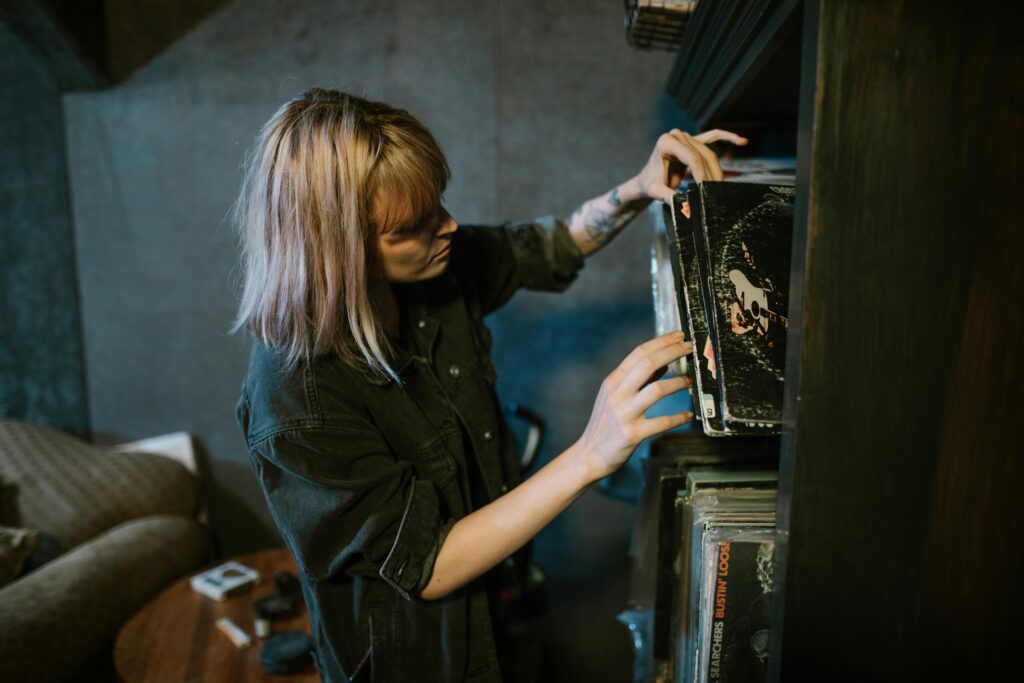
[[420, 301]]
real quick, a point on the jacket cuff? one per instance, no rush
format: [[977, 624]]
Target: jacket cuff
[[421, 532]]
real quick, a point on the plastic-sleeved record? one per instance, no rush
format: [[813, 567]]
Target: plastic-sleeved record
[[287, 652]]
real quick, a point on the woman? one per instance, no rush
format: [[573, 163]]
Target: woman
[[369, 406]]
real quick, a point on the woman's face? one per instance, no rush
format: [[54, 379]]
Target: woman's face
[[413, 248]]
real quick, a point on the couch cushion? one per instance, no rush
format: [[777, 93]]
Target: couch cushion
[[73, 490], [54, 619]]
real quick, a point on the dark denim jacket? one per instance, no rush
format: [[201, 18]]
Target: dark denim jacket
[[365, 478]]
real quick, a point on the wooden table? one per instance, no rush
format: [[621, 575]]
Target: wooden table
[[173, 638]]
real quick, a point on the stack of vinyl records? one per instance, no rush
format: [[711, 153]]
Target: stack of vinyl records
[[729, 248], [727, 563], [657, 542]]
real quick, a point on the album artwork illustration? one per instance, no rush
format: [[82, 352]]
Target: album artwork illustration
[[748, 229]]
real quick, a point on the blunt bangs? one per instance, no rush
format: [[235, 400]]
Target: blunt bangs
[[408, 180]]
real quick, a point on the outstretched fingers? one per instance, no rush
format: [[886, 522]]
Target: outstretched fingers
[[618, 423], [645, 349], [709, 136], [657, 425], [655, 391], [645, 367], [712, 169], [681, 146]]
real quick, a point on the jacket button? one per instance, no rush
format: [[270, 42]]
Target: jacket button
[[488, 435], [504, 488], [454, 371], [421, 324]]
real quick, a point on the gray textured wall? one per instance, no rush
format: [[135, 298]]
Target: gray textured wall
[[539, 107], [41, 376]]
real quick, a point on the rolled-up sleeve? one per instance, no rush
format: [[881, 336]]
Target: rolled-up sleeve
[[539, 255], [546, 256], [345, 505]]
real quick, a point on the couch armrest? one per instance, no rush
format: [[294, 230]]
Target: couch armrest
[[57, 617]]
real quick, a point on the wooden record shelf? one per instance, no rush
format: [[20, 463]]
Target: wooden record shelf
[[899, 554], [740, 61]]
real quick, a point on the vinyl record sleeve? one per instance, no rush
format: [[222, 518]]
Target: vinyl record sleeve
[[710, 296], [736, 589], [669, 314], [691, 308], [704, 296], [747, 235]]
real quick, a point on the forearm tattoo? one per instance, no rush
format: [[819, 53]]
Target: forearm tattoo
[[601, 218]]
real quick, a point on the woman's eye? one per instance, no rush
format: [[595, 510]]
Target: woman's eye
[[407, 230], [423, 223], [431, 220]]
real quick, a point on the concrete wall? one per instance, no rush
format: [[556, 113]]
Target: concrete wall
[[41, 373], [539, 107]]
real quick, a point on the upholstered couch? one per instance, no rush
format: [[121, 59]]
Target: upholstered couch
[[126, 527]]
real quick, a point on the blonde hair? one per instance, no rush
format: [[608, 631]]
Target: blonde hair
[[305, 218]]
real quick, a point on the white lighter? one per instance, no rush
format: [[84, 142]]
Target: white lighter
[[237, 636]]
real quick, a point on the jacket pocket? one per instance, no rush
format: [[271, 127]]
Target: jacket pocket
[[433, 462]]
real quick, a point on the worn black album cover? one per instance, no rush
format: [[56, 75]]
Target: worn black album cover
[[701, 366], [747, 230], [739, 606]]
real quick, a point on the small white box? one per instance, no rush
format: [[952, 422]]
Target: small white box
[[225, 580]]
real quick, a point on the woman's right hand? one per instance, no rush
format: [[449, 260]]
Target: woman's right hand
[[485, 537], [617, 424]]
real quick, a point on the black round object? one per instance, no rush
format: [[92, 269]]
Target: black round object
[[287, 583], [277, 606], [287, 652]]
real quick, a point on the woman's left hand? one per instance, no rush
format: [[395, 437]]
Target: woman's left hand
[[676, 151]]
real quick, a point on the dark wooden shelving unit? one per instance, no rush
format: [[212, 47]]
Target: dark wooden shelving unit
[[901, 523], [737, 62]]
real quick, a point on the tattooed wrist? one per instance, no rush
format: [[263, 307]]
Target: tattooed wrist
[[601, 218]]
